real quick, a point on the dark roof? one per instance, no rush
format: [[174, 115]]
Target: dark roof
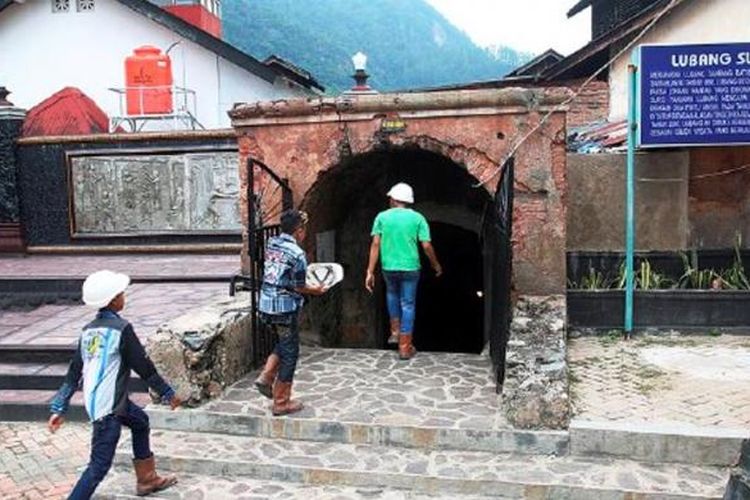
[[67, 112], [293, 72], [578, 7], [209, 42], [538, 65], [592, 56]]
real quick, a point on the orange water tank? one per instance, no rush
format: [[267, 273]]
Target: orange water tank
[[148, 78]]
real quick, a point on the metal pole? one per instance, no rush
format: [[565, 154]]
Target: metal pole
[[630, 197]]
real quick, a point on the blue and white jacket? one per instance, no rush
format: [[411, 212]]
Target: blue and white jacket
[[107, 350]]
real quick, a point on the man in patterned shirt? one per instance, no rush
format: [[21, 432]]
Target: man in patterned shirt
[[281, 299]]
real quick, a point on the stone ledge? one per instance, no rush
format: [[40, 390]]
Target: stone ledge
[[204, 351]]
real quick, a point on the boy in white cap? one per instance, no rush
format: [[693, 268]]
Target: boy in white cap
[[396, 234], [107, 350]]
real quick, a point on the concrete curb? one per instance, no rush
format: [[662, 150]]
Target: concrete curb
[[649, 442]]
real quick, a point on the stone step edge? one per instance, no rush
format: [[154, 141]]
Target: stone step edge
[[119, 479], [518, 441], [657, 442], [432, 484]]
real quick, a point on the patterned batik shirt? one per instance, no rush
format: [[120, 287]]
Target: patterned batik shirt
[[284, 270]]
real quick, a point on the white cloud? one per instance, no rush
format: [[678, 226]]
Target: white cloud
[[526, 25]]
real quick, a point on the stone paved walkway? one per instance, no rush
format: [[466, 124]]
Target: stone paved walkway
[[374, 387], [35, 464], [696, 380], [160, 265], [148, 306]]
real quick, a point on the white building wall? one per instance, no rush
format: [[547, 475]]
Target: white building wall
[[44, 52], [697, 21]]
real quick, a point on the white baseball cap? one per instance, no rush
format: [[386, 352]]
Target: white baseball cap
[[402, 192], [102, 286]]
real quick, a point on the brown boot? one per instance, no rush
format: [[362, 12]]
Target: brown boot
[[405, 348], [264, 382], [148, 481], [282, 399], [395, 330]]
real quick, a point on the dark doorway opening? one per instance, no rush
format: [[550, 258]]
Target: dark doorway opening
[[343, 204], [450, 309]]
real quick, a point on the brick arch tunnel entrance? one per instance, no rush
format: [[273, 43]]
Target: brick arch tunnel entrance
[[343, 204]]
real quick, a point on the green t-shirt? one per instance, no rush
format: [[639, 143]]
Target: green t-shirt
[[400, 229]]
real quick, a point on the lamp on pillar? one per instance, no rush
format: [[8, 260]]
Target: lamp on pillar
[[11, 121], [360, 76]]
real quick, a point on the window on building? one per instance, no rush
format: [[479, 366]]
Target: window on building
[[60, 6], [85, 5]]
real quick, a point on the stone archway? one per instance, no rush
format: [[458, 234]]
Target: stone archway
[[300, 139], [343, 203]]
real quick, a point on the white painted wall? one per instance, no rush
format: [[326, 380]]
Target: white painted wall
[[697, 21], [43, 52]]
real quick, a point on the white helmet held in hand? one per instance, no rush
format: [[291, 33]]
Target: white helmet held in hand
[[102, 286], [402, 192]]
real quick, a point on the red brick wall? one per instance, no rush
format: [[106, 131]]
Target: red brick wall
[[591, 105], [301, 151]]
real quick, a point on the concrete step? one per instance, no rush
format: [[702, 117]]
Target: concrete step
[[35, 376], [429, 471], [657, 442], [262, 424], [33, 405], [120, 485]]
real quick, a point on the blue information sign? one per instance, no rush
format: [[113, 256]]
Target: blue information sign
[[694, 95]]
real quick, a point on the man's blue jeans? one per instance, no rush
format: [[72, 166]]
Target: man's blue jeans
[[286, 327], [401, 296], [103, 444]]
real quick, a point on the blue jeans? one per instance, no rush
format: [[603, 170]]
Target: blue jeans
[[286, 327], [103, 444], [401, 296]]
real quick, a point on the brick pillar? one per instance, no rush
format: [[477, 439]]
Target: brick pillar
[[11, 120]]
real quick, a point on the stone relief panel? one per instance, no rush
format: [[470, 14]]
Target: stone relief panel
[[141, 194]]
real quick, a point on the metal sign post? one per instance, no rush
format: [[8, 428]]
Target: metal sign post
[[630, 194]]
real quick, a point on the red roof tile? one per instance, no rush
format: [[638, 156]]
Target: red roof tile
[[67, 112]]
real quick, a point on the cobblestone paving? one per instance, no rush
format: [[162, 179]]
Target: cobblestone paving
[[335, 463], [79, 266], [697, 380], [35, 464], [148, 306], [374, 387], [192, 487]]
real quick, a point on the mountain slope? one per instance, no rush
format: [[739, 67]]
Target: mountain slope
[[408, 43]]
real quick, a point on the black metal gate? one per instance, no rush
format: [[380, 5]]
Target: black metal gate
[[258, 234], [498, 259]]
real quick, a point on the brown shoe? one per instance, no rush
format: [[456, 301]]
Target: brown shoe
[[148, 481], [283, 404], [264, 382], [405, 348], [395, 331]]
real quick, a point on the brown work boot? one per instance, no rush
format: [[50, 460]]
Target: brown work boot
[[283, 404], [148, 481], [264, 382], [395, 330], [405, 348]]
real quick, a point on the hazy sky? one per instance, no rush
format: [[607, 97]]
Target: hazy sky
[[527, 25]]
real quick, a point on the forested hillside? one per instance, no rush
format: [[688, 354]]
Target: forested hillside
[[408, 43]]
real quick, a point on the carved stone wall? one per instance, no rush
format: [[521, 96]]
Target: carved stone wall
[[155, 193]]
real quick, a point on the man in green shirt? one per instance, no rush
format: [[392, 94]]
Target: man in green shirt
[[396, 236]]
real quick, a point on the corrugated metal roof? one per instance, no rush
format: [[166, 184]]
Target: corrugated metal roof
[[598, 137], [67, 112]]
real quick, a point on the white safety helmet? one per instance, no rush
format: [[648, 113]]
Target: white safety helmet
[[402, 192], [102, 286]]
